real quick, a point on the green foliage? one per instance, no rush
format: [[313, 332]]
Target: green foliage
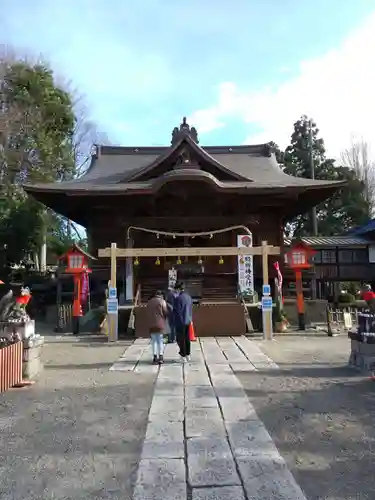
[[346, 298], [39, 145], [344, 210], [36, 145]]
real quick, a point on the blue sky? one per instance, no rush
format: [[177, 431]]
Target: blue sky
[[144, 64]]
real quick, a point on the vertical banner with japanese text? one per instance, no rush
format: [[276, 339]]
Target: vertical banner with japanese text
[[245, 266]]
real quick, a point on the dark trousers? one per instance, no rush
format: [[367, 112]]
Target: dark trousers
[[183, 340], [172, 331]]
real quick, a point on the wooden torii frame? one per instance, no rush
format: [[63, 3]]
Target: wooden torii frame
[[264, 250]]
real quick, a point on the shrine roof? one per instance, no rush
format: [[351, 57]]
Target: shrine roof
[[246, 170], [114, 168]]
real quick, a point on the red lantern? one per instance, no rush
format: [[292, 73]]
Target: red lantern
[[77, 264], [299, 255], [298, 258]]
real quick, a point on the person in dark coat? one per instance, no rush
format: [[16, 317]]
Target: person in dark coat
[[182, 317], [170, 298]]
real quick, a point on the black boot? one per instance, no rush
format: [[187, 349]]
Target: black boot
[[155, 360], [161, 359]]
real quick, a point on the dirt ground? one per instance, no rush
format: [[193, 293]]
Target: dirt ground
[[320, 414], [78, 433]]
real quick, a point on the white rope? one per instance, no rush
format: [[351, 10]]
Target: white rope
[[191, 235]]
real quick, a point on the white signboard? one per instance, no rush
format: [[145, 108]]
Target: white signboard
[[371, 254], [267, 303], [172, 277], [112, 306], [245, 265]]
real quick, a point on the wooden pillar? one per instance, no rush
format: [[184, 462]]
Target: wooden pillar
[[129, 272], [112, 318], [265, 263], [266, 312]]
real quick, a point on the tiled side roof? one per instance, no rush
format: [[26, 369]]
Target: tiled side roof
[[333, 241]]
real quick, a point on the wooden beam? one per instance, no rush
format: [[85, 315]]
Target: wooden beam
[[189, 252]]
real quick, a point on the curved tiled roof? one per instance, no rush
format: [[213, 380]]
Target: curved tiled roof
[[116, 168]]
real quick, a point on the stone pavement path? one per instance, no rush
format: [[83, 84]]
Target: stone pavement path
[[204, 440]]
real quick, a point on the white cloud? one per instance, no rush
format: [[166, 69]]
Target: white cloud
[[337, 90]]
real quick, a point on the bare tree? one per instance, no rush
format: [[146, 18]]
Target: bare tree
[[86, 132], [357, 157]]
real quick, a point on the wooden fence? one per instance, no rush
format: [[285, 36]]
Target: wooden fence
[[342, 319], [10, 366], [64, 319]]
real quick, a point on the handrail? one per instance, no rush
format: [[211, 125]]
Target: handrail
[[249, 323], [131, 322], [137, 295]]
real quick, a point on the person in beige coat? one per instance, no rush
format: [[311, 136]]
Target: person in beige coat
[[157, 316]]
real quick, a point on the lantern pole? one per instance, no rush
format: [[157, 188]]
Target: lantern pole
[[300, 301], [77, 308]]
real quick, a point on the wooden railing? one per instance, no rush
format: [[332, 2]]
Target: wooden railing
[[10, 366]]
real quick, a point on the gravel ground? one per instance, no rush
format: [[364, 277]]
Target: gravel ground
[[320, 414], [78, 432]]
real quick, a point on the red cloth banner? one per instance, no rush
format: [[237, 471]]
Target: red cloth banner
[[85, 287]]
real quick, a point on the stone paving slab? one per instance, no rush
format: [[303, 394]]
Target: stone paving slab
[[254, 354], [208, 413], [204, 427], [130, 358], [243, 367], [162, 472], [236, 409], [280, 486], [164, 387], [210, 463], [197, 377], [164, 440], [219, 493], [199, 392], [248, 438]]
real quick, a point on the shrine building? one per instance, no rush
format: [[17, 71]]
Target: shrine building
[[184, 195]]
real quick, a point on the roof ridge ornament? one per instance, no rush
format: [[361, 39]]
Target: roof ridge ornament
[[184, 130]]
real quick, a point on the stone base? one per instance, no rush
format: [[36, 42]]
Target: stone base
[[32, 365], [362, 356]]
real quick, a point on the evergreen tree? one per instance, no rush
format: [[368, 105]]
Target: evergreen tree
[[347, 208], [36, 131]]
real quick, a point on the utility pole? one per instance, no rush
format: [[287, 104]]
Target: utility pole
[[314, 220]]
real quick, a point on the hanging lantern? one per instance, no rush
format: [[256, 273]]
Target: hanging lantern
[[178, 260], [136, 261], [157, 261], [221, 261]]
